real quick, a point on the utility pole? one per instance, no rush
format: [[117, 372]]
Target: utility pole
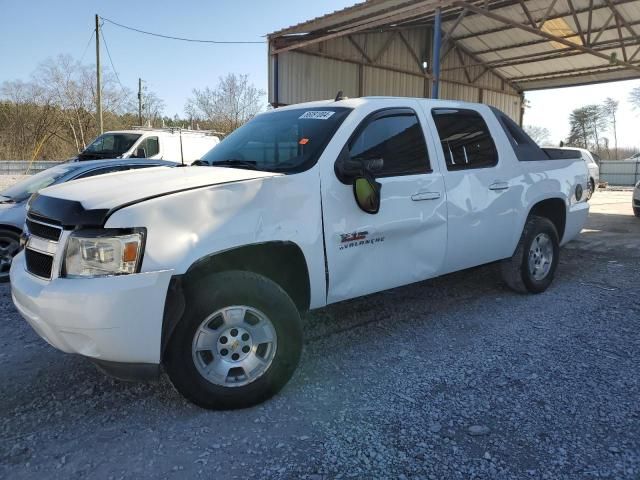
[[98, 76], [140, 101]]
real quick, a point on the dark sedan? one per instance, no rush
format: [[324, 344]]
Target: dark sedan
[[13, 200]]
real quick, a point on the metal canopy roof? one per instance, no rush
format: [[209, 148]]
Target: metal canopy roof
[[532, 44]]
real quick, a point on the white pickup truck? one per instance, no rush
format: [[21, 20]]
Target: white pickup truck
[[205, 269]]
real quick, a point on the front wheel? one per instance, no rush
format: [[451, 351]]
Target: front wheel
[[238, 342], [9, 247], [533, 265], [636, 211]]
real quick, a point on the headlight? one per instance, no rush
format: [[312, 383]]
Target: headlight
[[103, 253]]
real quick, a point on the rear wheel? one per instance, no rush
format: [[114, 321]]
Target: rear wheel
[[238, 343], [533, 265], [9, 247], [591, 188]]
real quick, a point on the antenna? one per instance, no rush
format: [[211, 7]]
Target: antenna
[[340, 96]]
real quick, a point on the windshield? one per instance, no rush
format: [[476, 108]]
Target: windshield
[[288, 141], [110, 145], [23, 190]]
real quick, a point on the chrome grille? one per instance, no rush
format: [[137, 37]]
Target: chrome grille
[[43, 230], [38, 263], [41, 247]]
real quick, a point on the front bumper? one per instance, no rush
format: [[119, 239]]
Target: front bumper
[[111, 319]]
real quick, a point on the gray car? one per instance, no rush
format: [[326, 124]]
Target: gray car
[[13, 200]]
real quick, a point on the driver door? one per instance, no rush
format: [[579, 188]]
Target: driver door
[[405, 241]]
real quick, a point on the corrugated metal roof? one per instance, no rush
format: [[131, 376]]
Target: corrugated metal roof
[[358, 11], [609, 28]]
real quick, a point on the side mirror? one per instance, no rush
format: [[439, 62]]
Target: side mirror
[[367, 193], [348, 168], [141, 153]]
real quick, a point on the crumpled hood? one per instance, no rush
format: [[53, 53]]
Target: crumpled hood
[[112, 190], [88, 200]]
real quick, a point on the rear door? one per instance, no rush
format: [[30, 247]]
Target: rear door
[[481, 178], [406, 240]]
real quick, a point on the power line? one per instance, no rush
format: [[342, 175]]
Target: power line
[[87, 47], [110, 60], [180, 38]]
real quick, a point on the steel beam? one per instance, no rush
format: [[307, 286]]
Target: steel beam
[[545, 18], [534, 31], [435, 58], [398, 14], [540, 42], [550, 55]]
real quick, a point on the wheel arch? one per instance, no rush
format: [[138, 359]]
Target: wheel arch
[[554, 209], [283, 262], [13, 228]]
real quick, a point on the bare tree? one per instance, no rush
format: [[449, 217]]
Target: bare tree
[[71, 86], [232, 103], [610, 108], [53, 115], [29, 118], [152, 107], [540, 135]]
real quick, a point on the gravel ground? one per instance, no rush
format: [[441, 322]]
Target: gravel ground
[[456, 377]]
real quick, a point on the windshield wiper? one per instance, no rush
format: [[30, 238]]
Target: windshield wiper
[[236, 163]]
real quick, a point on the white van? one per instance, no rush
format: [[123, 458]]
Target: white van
[[173, 144]]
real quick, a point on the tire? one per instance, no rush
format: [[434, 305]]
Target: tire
[[516, 271], [214, 328], [636, 211], [592, 189], [9, 247]]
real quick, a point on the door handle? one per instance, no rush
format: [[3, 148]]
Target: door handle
[[499, 186], [425, 196]]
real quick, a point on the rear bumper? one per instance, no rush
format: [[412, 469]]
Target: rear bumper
[[112, 319], [576, 220]]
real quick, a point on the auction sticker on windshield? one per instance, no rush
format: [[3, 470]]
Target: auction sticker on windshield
[[317, 114]]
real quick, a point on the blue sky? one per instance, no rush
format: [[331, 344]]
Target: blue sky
[[31, 31]]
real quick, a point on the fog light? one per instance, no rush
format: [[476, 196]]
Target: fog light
[[578, 192]]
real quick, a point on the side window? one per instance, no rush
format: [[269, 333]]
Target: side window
[[150, 145], [465, 138], [396, 137]]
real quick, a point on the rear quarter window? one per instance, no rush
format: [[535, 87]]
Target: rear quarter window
[[465, 139], [523, 145]]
